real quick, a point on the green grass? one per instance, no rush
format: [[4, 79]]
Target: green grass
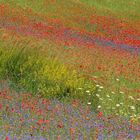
[[122, 8], [41, 74]]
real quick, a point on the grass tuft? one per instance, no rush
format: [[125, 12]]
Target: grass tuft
[[42, 75]]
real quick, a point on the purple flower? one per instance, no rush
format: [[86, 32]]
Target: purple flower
[[42, 138]]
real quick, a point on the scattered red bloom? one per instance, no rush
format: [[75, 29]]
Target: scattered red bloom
[[13, 110], [0, 105], [74, 103], [131, 127], [60, 125], [71, 131], [7, 107], [100, 114], [40, 112], [6, 138], [40, 122], [46, 121]]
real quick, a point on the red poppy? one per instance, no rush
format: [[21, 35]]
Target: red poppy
[[40, 122], [131, 127], [13, 110], [40, 111], [6, 138], [74, 103], [7, 107], [32, 108], [0, 105], [23, 105], [71, 131], [81, 66], [100, 114], [46, 121], [60, 125], [2, 6]]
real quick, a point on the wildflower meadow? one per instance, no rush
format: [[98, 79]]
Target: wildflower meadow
[[69, 70]]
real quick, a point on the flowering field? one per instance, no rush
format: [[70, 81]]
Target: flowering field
[[27, 117], [69, 70]]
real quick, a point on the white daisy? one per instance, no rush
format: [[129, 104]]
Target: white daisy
[[87, 91], [89, 103], [117, 105], [99, 106], [97, 95], [132, 107]]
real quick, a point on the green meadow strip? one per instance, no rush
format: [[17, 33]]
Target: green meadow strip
[[122, 9], [42, 75]]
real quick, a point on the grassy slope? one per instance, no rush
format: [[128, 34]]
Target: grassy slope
[[71, 57], [70, 12], [123, 8], [65, 11], [39, 71]]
